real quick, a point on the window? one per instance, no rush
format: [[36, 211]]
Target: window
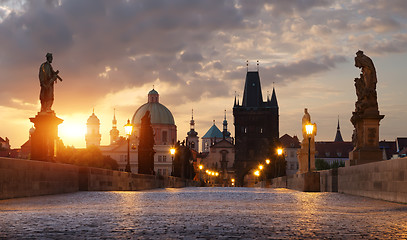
[[192, 145], [292, 154], [159, 172], [160, 158], [164, 158], [165, 137]]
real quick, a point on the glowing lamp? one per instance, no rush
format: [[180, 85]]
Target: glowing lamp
[[172, 151], [257, 173], [128, 128], [267, 161], [309, 128], [279, 151], [261, 167], [200, 167]]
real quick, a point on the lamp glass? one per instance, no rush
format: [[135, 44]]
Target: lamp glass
[[128, 128], [309, 128]]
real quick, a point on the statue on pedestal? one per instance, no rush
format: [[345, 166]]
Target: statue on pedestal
[[47, 77], [43, 140], [366, 117], [305, 143], [366, 84]]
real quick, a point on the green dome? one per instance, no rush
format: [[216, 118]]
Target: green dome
[[158, 112]]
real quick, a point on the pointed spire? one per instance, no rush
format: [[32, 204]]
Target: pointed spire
[[192, 122], [338, 137], [273, 101], [225, 127], [257, 65], [247, 65], [234, 104], [114, 122], [213, 122]]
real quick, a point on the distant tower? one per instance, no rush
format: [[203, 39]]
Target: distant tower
[[114, 133], [225, 133], [192, 135], [338, 137], [256, 126], [93, 135]]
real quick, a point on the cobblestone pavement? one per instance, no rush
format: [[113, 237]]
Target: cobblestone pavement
[[202, 213]]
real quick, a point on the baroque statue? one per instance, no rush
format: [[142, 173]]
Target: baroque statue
[[366, 117], [365, 85], [47, 77]]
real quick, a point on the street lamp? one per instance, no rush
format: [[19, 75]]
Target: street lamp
[[128, 128], [200, 170], [309, 128], [267, 161], [172, 151], [279, 151], [261, 167]]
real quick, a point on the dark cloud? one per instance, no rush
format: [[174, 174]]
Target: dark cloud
[[294, 71], [196, 45]]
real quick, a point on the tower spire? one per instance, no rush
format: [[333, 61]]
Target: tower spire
[[338, 136], [225, 127], [247, 65], [257, 65]]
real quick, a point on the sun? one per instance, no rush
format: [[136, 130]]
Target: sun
[[72, 132]]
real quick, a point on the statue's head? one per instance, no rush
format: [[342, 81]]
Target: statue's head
[[49, 57], [359, 53], [305, 110]]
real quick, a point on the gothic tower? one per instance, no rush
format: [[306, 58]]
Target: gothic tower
[[256, 126], [192, 135], [114, 133], [93, 135]]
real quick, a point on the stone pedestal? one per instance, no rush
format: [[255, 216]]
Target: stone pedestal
[[45, 136], [303, 156], [366, 139]]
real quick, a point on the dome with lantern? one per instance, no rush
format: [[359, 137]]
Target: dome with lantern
[[158, 112]]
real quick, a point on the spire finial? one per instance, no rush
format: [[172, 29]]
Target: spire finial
[[213, 122], [257, 65], [338, 123], [192, 114], [247, 65], [153, 86], [225, 114], [93, 110]]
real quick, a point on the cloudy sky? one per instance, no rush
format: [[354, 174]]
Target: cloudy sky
[[111, 53]]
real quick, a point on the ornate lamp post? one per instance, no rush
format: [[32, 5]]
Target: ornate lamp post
[[128, 128], [172, 151], [200, 170], [279, 154], [309, 128]]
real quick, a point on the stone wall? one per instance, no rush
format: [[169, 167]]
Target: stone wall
[[96, 179], [329, 180], [306, 182], [26, 178], [386, 180]]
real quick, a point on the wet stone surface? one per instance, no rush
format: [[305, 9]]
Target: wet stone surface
[[202, 213]]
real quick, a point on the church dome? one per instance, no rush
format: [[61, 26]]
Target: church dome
[[158, 112], [93, 119]]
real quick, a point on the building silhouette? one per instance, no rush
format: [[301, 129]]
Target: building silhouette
[[93, 135], [256, 126]]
